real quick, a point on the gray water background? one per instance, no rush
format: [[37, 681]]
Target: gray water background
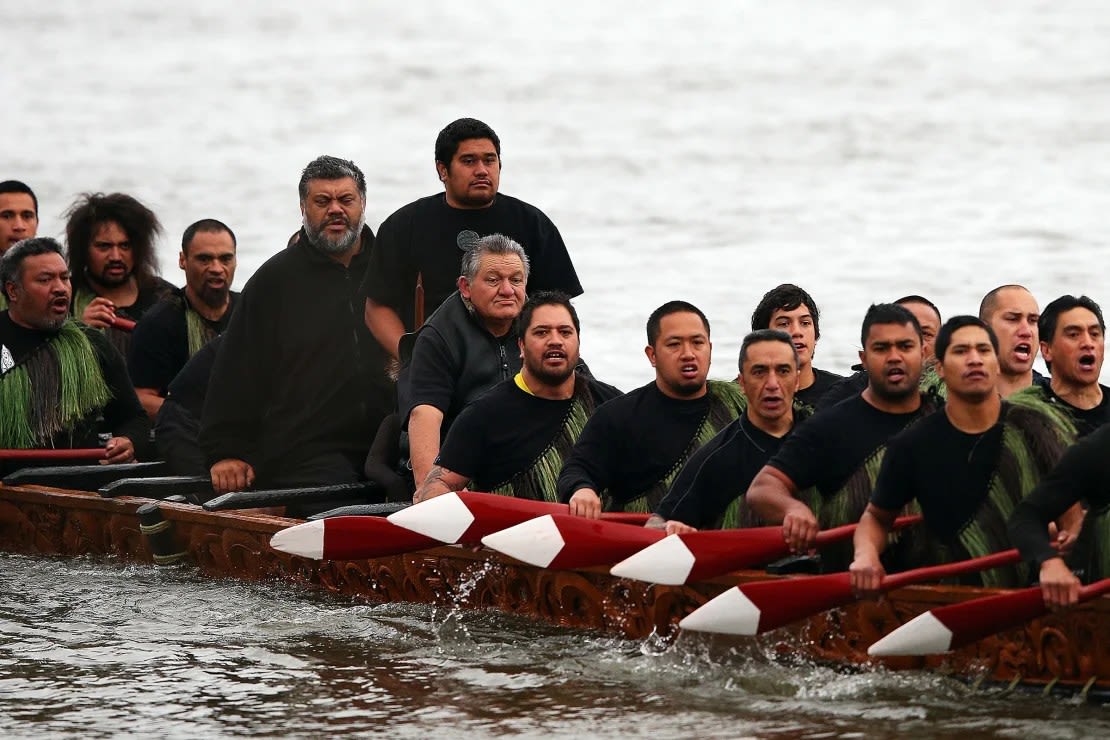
[[705, 151]]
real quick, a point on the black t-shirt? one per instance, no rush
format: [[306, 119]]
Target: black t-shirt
[[1086, 420], [631, 443], [160, 342], [823, 380], [504, 431], [853, 385], [1083, 474], [946, 470], [827, 449], [718, 473], [427, 237]]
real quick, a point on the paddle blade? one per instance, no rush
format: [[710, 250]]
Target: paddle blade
[[565, 541], [695, 556], [468, 516], [349, 538], [953, 626], [728, 613]]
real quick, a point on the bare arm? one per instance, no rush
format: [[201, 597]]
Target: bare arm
[[439, 481], [771, 496], [425, 423], [866, 571], [1068, 526], [386, 326], [150, 400]]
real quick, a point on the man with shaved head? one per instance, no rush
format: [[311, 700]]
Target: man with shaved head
[[1012, 313]]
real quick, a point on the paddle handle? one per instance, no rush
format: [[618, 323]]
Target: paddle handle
[[79, 453], [118, 322], [936, 572], [845, 531], [1093, 591]]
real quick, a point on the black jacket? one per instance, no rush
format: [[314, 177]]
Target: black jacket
[[298, 376], [455, 360]]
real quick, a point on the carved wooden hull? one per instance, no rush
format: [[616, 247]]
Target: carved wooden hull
[[1070, 650]]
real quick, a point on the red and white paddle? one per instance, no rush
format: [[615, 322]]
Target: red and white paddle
[[565, 541], [695, 556], [761, 606], [467, 516], [349, 538], [950, 627]]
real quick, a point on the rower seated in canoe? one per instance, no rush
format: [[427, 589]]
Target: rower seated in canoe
[[709, 491], [634, 446], [824, 474], [513, 439], [62, 384], [967, 466]]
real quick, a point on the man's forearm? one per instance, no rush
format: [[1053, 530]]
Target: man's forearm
[[151, 401], [386, 326], [871, 533], [440, 480], [425, 423], [769, 496]]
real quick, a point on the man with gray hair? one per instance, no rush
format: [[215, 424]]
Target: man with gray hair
[[416, 258], [468, 345], [298, 386], [62, 384]]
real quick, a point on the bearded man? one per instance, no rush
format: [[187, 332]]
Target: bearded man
[[189, 318], [62, 385], [113, 263], [298, 386], [549, 401]]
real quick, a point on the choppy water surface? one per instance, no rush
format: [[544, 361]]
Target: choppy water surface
[[92, 649]]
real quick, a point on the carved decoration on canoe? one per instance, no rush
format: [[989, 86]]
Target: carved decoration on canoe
[[1069, 647]]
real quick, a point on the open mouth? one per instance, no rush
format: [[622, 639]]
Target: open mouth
[[1088, 362], [61, 305], [1023, 351], [555, 355], [896, 375], [689, 370]]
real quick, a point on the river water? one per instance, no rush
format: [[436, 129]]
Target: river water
[[95, 649], [705, 151]]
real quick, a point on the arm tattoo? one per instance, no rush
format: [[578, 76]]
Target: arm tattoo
[[433, 481]]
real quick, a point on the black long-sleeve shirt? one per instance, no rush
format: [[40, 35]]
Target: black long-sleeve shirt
[[1082, 475]]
